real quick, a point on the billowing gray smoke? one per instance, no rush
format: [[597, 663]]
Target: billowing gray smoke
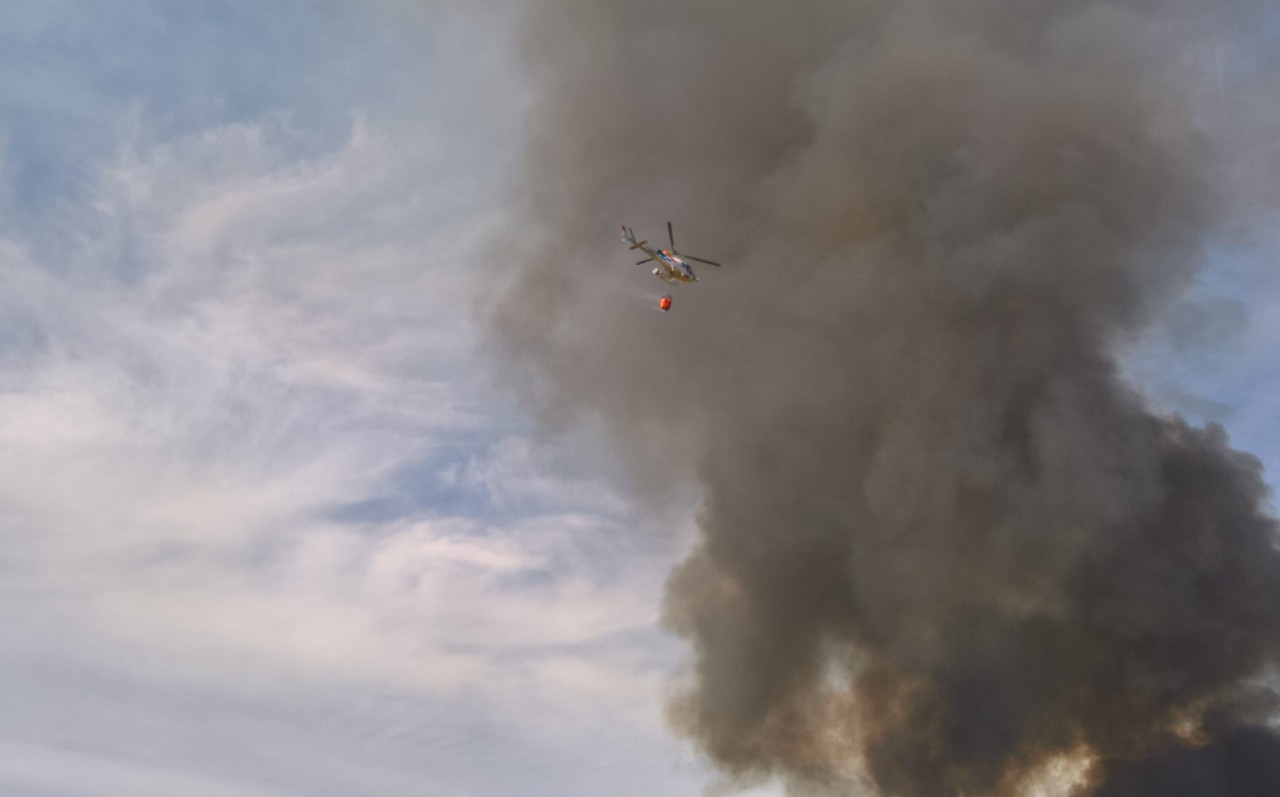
[[943, 545]]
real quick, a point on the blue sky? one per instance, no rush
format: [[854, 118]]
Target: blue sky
[[267, 528]]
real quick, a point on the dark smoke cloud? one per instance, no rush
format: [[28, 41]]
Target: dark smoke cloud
[[943, 545], [1245, 763]]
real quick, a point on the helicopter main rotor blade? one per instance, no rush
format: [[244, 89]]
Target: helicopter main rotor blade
[[700, 260], [671, 236], [642, 262]]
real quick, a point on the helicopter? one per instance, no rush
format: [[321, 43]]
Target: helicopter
[[672, 266]]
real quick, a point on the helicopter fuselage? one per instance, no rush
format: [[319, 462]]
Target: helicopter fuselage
[[671, 269]]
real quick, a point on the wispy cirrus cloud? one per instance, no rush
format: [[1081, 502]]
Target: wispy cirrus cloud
[[259, 511]]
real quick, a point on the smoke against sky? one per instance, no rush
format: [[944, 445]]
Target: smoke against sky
[[943, 544]]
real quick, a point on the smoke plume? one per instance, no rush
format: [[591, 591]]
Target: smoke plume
[[944, 548]]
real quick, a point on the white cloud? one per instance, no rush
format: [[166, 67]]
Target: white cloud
[[242, 336], [259, 513], [33, 769]]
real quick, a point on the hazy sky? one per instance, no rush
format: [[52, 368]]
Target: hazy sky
[[268, 529]]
